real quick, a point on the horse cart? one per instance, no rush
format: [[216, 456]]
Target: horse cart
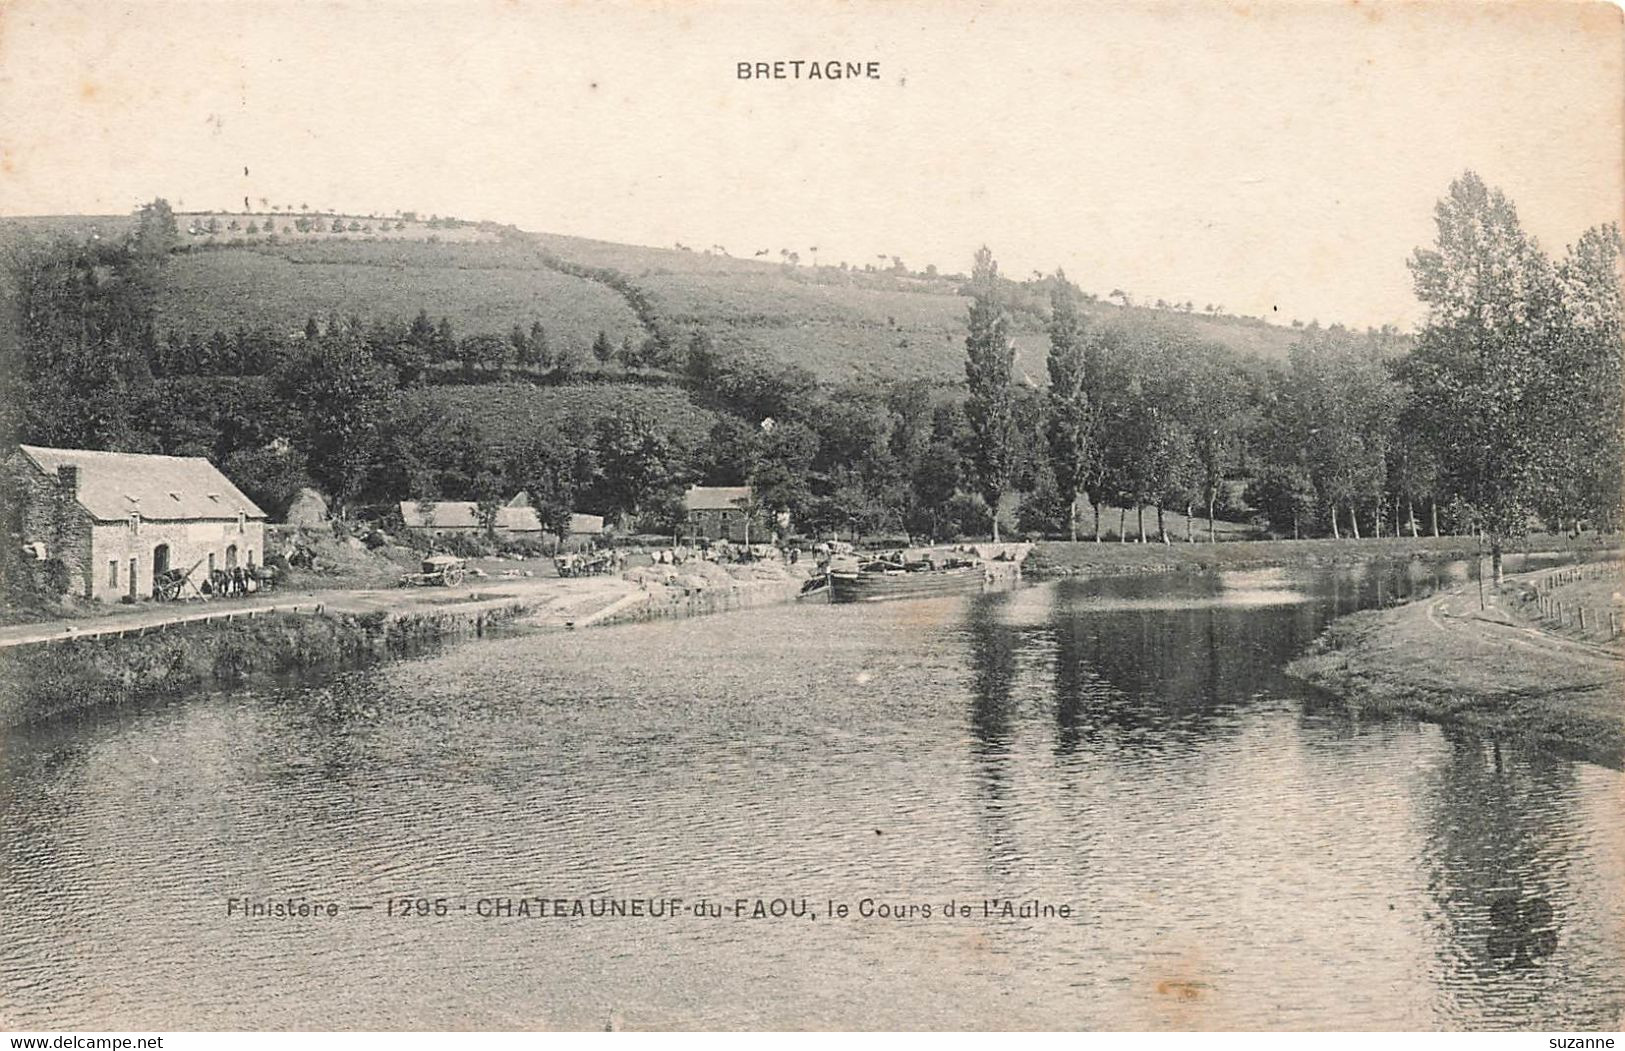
[[171, 584], [443, 570], [585, 565]]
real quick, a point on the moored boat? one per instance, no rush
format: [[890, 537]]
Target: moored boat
[[875, 583]]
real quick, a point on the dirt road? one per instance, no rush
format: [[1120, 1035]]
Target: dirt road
[[554, 602]]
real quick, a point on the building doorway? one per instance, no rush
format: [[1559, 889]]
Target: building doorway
[[160, 560], [231, 557], [135, 564]]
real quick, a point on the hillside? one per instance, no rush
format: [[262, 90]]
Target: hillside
[[841, 324], [479, 287], [852, 323]]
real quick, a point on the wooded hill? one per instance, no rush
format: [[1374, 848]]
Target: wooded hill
[[875, 400]]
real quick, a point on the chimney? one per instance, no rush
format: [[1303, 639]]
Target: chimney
[[67, 493]]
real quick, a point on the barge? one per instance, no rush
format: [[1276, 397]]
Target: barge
[[930, 576]]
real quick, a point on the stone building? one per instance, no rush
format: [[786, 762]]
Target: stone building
[[725, 512], [515, 520], [116, 519]]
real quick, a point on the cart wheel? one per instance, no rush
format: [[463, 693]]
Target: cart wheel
[[454, 576]]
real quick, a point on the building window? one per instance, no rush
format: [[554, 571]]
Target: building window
[[112, 573], [241, 516], [211, 563], [135, 522]]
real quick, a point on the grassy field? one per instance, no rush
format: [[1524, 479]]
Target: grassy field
[[856, 325], [281, 287], [1553, 601]]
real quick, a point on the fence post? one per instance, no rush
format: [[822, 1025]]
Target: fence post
[[1582, 618]]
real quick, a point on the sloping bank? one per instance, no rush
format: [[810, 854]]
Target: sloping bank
[[40, 681], [1443, 659], [698, 589]]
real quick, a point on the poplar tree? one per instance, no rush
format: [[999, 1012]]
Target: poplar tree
[[989, 357], [1481, 376], [1070, 445], [1587, 423]]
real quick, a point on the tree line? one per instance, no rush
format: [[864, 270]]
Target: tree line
[[1505, 412], [1502, 410]]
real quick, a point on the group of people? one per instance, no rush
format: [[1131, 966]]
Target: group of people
[[722, 551], [589, 563]]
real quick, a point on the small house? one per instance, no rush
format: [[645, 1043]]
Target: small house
[[515, 519], [590, 526], [116, 520], [449, 517], [725, 512]]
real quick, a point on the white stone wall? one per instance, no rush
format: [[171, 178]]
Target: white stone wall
[[189, 543]]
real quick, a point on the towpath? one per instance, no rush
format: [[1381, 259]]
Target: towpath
[[1457, 617], [553, 602]]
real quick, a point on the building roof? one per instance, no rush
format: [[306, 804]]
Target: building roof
[[113, 485], [586, 525], [717, 497], [464, 514]]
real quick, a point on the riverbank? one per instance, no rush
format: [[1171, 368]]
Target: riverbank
[[552, 600], [48, 669], [43, 681], [1504, 668], [1051, 560]]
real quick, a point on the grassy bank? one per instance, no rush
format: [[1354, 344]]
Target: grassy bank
[[1053, 559], [41, 681], [1444, 659]]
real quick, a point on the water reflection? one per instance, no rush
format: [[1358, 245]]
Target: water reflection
[[993, 648], [1238, 854], [1501, 827]]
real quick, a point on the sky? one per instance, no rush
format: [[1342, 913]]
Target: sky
[[1278, 159]]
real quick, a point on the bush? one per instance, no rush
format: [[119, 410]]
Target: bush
[[464, 545], [415, 540], [524, 547]]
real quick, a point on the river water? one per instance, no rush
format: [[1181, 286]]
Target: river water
[[1230, 851]]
